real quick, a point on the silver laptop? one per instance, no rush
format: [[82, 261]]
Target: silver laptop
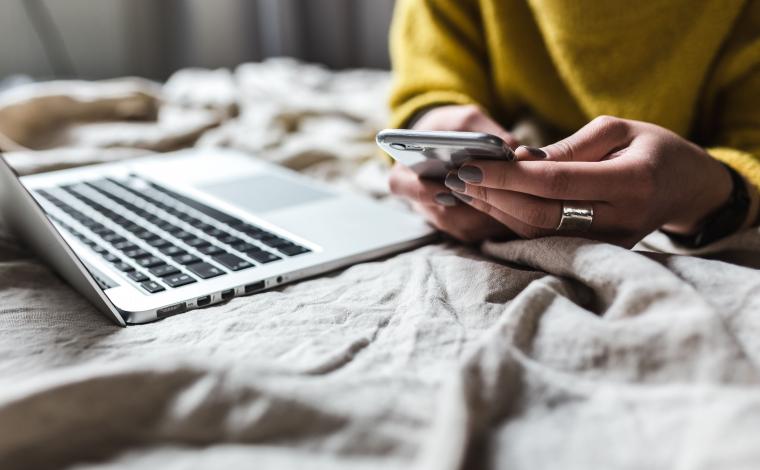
[[153, 237]]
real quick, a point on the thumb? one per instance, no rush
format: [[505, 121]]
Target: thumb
[[592, 143]]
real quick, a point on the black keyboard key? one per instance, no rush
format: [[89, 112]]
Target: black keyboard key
[[186, 259], [205, 270], [229, 239], [114, 238], [244, 246], [259, 235], [124, 267], [111, 258], [216, 233], [125, 246], [172, 250], [211, 250], [99, 250], [169, 227], [102, 230], [248, 228], [204, 227], [146, 235], [275, 242], [164, 270], [133, 228], [149, 262], [293, 250], [137, 276], [182, 235], [197, 242], [152, 287], [87, 241], [158, 242], [263, 256], [88, 222], [200, 207], [232, 262], [136, 253], [178, 280]]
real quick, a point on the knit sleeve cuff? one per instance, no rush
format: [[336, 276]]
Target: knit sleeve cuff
[[747, 164], [403, 113]]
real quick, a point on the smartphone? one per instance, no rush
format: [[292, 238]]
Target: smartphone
[[432, 154]]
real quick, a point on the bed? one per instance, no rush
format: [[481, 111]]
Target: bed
[[539, 354]]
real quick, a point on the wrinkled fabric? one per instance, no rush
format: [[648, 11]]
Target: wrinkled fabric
[[538, 354]]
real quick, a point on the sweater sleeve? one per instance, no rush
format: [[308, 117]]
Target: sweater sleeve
[[439, 57], [737, 140], [734, 117]]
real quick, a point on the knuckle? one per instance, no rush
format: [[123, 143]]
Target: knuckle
[[566, 149], [481, 194], [611, 125], [501, 177], [558, 180], [393, 184], [605, 120], [536, 216], [469, 115]]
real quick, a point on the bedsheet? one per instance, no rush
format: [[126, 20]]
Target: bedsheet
[[526, 354]]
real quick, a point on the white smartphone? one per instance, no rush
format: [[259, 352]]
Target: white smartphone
[[432, 154]]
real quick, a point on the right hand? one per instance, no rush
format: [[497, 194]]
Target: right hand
[[434, 200]]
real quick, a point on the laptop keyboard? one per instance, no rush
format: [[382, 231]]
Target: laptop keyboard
[[161, 239]]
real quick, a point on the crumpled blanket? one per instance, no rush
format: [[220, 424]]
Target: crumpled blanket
[[538, 354]]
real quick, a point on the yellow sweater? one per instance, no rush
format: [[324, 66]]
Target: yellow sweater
[[692, 66]]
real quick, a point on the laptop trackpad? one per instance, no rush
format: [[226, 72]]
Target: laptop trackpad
[[263, 193]]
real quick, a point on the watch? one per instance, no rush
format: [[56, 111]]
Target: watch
[[722, 222]]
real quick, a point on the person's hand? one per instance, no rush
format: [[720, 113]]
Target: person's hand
[[637, 176], [431, 198]]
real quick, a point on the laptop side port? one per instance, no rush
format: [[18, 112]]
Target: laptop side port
[[203, 301], [251, 288], [228, 294], [171, 310]]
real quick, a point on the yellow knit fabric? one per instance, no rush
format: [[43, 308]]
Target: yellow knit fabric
[[690, 66]]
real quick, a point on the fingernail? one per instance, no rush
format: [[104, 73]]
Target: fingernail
[[462, 197], [453, 182], [470, 174], [445, 199], [533, 151]]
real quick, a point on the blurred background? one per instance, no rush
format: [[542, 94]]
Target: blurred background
[[93, 39]]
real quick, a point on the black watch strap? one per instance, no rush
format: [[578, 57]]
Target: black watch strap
[[724, 221]]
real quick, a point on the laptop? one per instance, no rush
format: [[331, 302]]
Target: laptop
[[153, 237]]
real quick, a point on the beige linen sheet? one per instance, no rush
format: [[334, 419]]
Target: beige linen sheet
[[542, 354]]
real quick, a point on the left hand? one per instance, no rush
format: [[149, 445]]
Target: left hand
[[638, 177]]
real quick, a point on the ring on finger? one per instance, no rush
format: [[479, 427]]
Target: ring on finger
[[576, 217]]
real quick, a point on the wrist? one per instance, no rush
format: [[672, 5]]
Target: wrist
[[714, 193], [730, 217]]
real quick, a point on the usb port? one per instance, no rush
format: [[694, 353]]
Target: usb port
[[228, 294], [171, 310], [203, 301], [251, 288]]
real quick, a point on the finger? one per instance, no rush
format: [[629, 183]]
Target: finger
[[406, 183], [537, 212], [525, 153], [489, 126], [600, 181], [592, 143], [516, 225], [467, 118], [464, 223]]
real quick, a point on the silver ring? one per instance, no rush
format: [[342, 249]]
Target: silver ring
[[576, 217]]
